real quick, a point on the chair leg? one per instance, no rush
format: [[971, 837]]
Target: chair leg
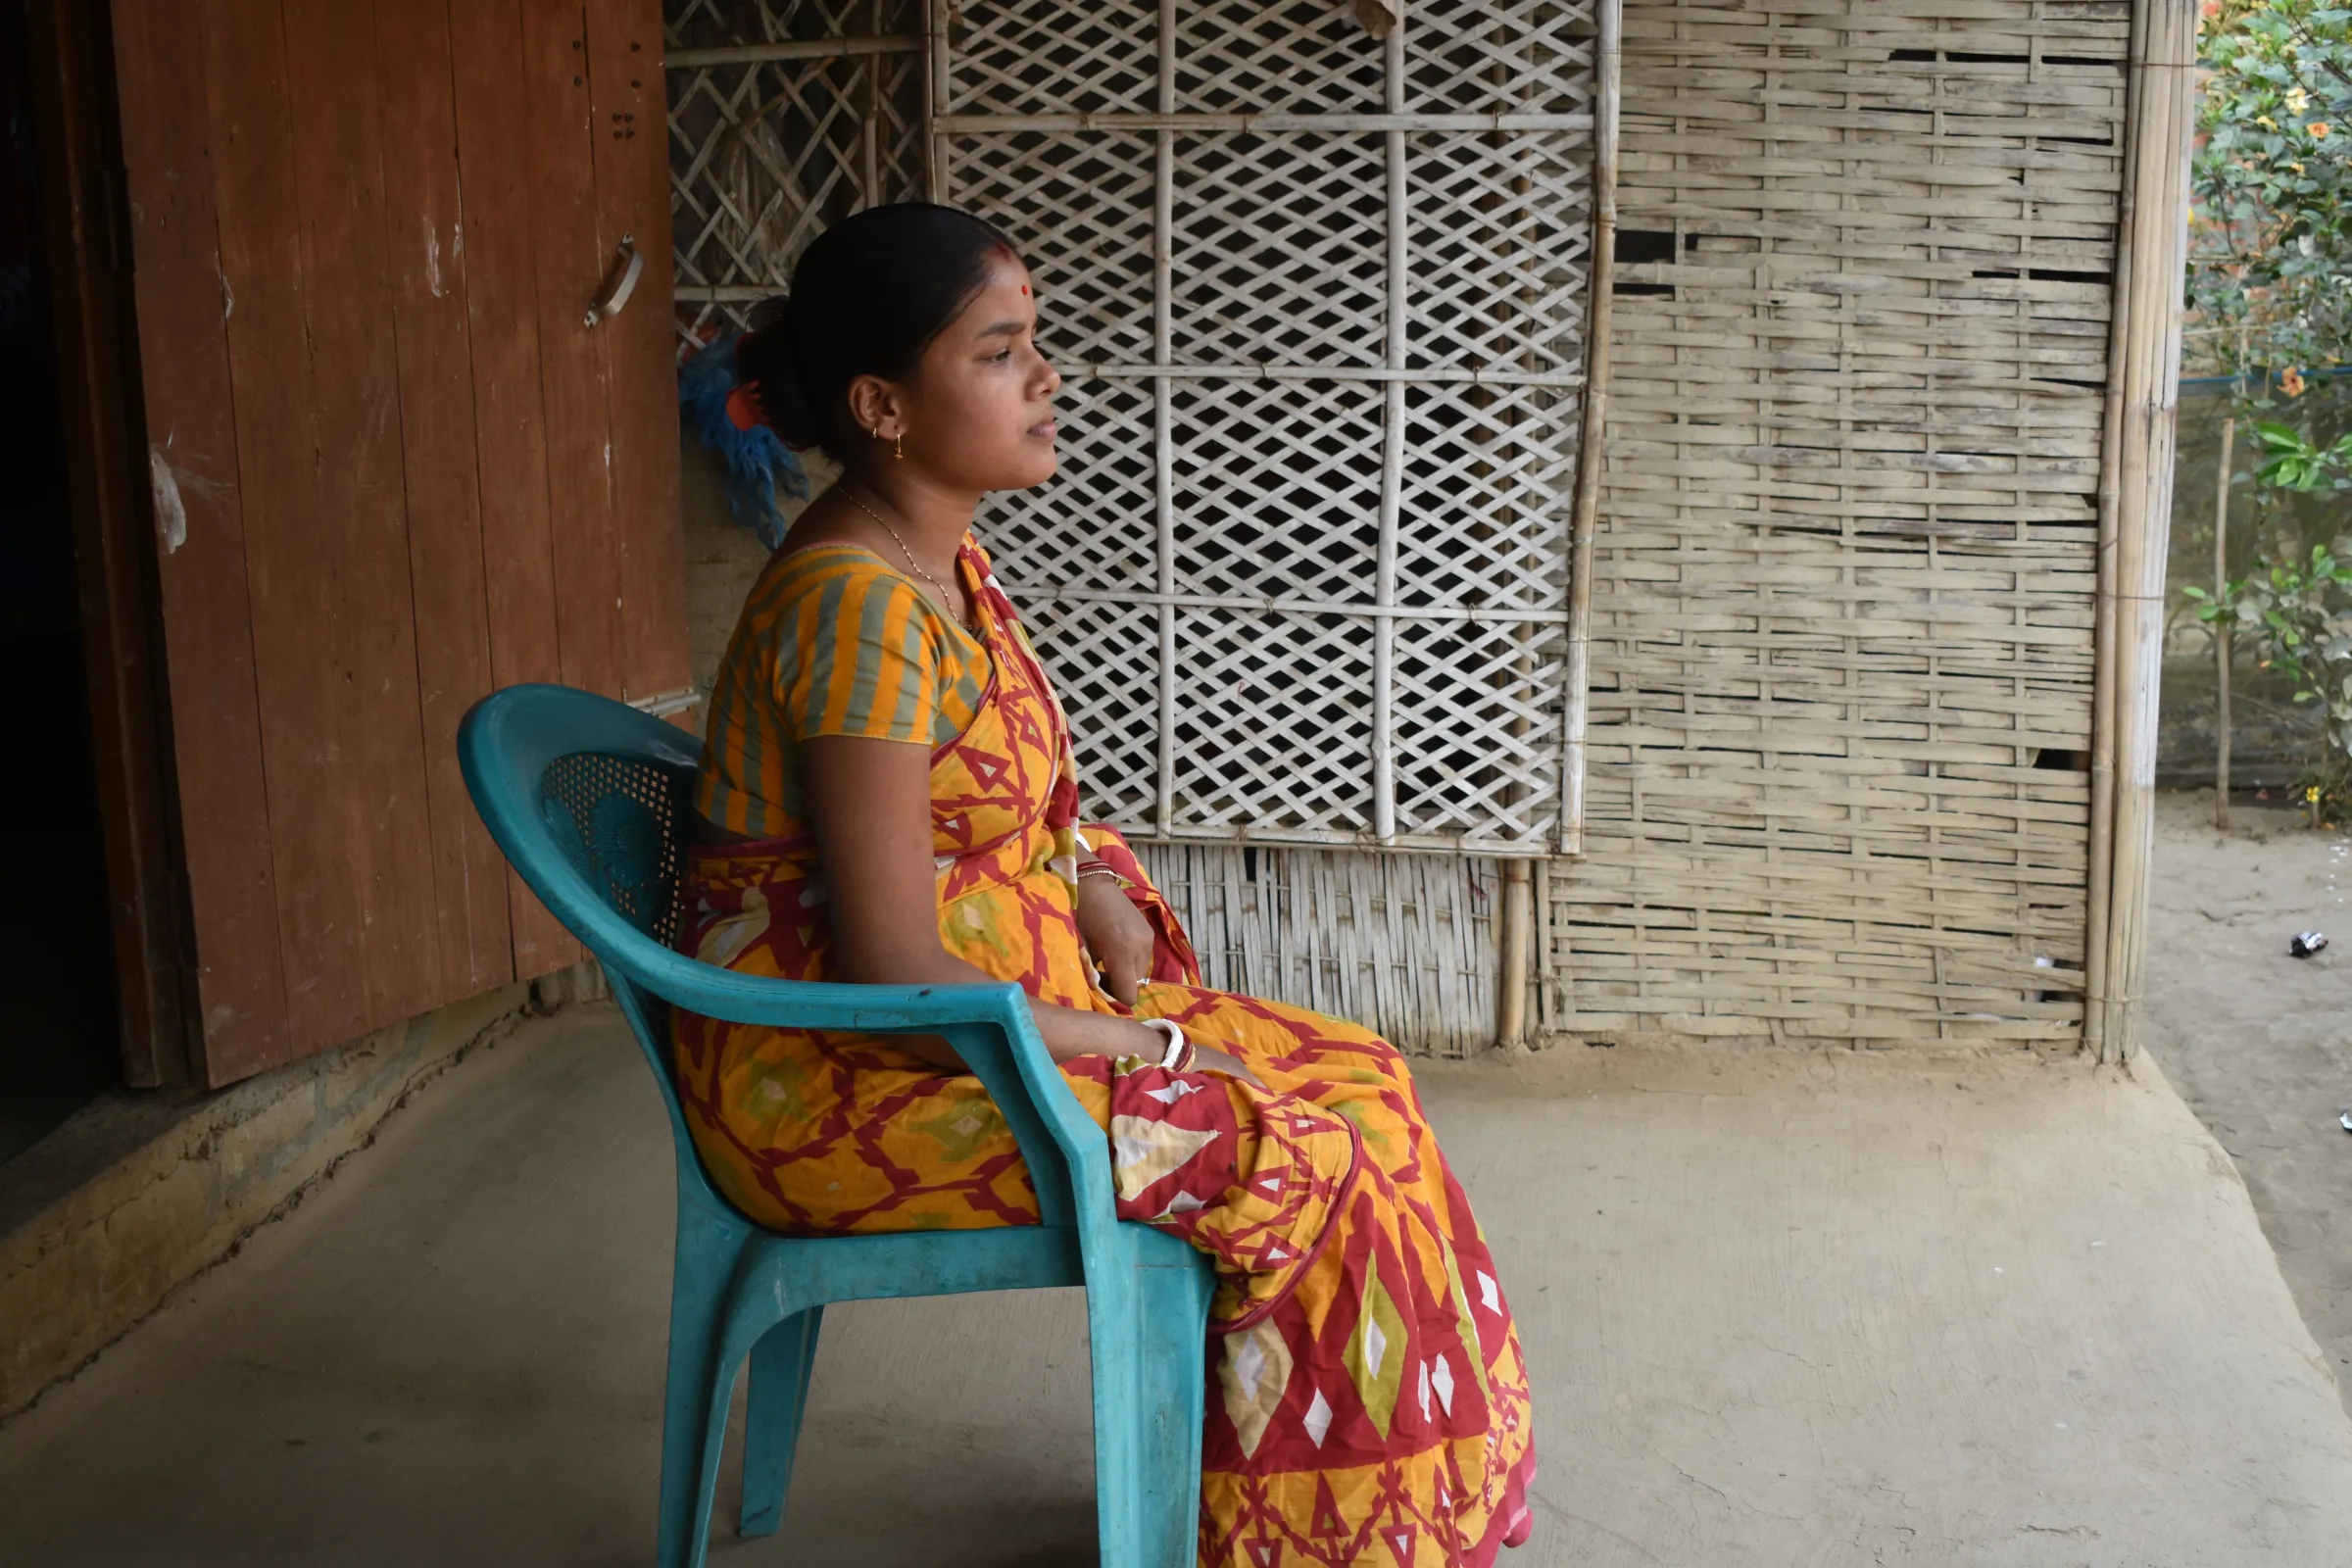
[[1151, 1363], [781, 1364], [700, 1381]]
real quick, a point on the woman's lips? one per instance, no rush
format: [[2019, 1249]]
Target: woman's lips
[[1042, 427]]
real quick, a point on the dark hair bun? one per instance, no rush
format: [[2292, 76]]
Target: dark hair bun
[[767, 359], [869, 296]]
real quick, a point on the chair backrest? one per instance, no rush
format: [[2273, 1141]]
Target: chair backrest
[[617, 820], [588, 798]]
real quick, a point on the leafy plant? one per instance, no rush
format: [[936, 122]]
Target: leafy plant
[[2290, 461], [2298, 618], [2270, 280]]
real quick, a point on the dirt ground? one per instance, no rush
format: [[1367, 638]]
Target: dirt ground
[[2259, 1043]]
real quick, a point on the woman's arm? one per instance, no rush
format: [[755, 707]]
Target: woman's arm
[[871, 801]]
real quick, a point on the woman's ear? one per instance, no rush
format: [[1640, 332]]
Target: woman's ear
[[875, 407]]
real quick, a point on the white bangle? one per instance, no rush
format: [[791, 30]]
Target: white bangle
[[1178, 1046]]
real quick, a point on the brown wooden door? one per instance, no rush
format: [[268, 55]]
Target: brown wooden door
[[393, 468]]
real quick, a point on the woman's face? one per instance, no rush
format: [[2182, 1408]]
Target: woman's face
[[978, 413]]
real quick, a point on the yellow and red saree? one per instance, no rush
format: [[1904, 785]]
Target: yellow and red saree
[[1368, 1402]]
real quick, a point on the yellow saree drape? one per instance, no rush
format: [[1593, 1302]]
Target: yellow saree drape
[[1368, 1402]]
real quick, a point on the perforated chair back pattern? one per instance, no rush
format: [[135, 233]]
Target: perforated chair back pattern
[[617, 820]]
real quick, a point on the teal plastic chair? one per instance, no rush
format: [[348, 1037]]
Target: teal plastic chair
[[586, 797]]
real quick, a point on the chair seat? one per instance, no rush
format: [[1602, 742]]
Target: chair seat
[[818, 1271]]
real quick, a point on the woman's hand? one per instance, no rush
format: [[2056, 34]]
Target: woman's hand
[[1117, 936]]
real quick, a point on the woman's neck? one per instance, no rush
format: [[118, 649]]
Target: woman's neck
[[932, 519]]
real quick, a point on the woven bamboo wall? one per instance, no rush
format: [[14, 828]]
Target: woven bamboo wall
[[1843, 596], [1403, 943]]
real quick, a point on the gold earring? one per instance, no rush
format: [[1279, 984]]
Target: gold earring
[[898, 448]]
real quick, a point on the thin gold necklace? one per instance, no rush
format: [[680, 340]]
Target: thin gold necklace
[[946, 597]]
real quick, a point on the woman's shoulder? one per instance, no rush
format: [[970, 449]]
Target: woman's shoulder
[[825, 576], [824, 561]]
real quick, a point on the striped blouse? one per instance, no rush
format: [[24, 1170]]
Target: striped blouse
[[831, 642]]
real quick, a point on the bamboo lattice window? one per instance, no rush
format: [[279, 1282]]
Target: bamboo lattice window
[[1320, 300], [785, 115]]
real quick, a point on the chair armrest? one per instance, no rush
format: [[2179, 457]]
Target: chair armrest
[[991, 1026]]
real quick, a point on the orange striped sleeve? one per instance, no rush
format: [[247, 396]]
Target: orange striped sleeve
[[830, 641], [858, 659]]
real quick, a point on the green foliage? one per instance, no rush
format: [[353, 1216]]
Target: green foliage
[[2269, 296], [2270, 283], [2298, 618], [2289, 461]]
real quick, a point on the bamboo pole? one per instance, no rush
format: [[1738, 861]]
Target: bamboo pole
[[1518, 916], [935, 102], [1518, 891], [1254, 371], [2221, 631], [1396, 120], [1399, 219], [760, 54], [869, 150], [2099, 862], [1585, 515], [1163, 420], [2157, 177], [1584, 526], [1547, 1015], [1274, 604]]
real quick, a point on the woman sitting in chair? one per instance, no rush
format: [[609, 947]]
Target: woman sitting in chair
[[887, 796]]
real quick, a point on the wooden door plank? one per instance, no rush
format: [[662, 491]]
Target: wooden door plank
[[184, 308], [632, 186], [90, 281], [361, 513], [292, 574], [502, 301], [427, 270], [573, 255]]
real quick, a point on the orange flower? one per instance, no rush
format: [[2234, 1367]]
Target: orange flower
[[2318, 129], [2290, 381]]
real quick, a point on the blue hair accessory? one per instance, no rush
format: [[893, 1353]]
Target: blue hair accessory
[[758, 463]]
